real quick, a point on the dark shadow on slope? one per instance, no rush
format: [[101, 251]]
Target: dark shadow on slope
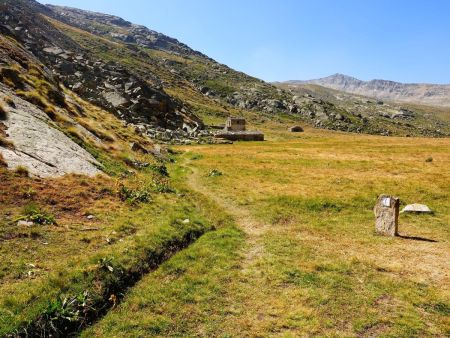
[[415, 238]]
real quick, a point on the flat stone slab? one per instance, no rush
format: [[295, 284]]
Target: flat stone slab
[[417, 208]]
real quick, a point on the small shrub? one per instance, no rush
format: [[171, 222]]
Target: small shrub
[[215, 173], [30, 193], [429, 159], [33, 213], [134, 196], [162, 186], [65, 310], [22, 171], [160, 169], [220, 87]]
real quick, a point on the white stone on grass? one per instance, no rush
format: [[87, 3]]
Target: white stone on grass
[[417, 208]]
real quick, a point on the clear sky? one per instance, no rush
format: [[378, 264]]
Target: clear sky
[[401, 40]]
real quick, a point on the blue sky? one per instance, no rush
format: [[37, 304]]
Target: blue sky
[[401, 40]]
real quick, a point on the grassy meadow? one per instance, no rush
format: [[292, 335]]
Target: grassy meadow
[[298, 255]]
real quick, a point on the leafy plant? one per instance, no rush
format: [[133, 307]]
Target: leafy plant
[[160, 169], [134, 196], [33, 213], [29, 193], [161, 185], [106, 263], [66, 310]]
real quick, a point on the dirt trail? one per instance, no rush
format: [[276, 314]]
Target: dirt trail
[[253, 229]]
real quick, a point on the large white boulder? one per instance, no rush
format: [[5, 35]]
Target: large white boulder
[[418, 208]]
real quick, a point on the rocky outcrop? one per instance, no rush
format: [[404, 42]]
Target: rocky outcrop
[[120, 29], [39, 146], [104, 83]]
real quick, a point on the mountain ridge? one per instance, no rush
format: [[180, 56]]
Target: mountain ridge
[[423, 93]]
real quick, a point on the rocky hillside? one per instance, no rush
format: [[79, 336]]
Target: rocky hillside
[[376, 116], [428, 94]]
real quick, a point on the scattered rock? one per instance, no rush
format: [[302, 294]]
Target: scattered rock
[[53, 50], [417, 208], [25, 223], [114, 98]]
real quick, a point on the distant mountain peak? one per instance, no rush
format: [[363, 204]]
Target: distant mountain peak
[[429, 94]]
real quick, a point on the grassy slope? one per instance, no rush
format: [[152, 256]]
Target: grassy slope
[[44, 264], [315, 267]]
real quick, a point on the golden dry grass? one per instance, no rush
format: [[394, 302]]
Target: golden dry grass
[[311, 264], [317, 190]]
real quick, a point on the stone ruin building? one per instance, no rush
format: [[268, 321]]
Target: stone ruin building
[[235, 130]]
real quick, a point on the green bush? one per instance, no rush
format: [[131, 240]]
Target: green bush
[[161, 185], [160, 169], [134, 196], [33, 213]]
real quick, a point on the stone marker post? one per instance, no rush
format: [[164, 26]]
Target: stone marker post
[[386, 215]]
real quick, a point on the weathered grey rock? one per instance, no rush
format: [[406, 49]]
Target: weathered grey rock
[[114, 98], [417, 208], [53, 50], [386, 215], [44, 150]]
